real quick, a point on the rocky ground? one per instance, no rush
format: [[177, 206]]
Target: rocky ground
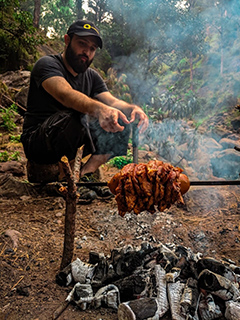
[[209, 223]]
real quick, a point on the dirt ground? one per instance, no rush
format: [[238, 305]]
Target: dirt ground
[[209, 223]]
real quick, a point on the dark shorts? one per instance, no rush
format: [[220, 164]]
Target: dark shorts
[[64, 132]]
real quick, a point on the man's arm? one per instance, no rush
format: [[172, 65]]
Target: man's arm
[[107, 115], [130, 110]]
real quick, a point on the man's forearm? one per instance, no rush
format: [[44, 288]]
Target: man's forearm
[[70, 98], [123, 106], [84, 104]]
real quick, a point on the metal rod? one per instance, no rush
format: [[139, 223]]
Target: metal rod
[[215, 183], [92, 184], [192, 183], [135, 141]]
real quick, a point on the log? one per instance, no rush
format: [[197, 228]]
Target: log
[[161, 287], [138, 309]]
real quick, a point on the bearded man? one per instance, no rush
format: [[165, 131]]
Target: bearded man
[[69, 105]]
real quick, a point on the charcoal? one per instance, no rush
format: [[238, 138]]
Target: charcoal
[[216, 267], [107, 296], [152, 282], [145, 308], [175, 291], [81, 295], [208, 309], [189, 299], [232, 310], [218, 285]]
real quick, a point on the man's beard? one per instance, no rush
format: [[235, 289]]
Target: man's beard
[[74, 60]]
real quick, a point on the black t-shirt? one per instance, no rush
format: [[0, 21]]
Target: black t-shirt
[[41, 104]]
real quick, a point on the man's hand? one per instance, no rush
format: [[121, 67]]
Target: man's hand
[[108, 119], [132, 111], [138, 113]]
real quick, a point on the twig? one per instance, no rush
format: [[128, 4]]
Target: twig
[[17, 104], [3, 249], [17, 282], [60, 310], [14, 286]]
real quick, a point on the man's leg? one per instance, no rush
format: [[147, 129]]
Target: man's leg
[[107, 145], [94, 162], [59, 135]]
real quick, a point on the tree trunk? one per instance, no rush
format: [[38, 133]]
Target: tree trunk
[[36, 14]]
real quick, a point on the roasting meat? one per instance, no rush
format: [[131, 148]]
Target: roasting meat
[[146, 186]]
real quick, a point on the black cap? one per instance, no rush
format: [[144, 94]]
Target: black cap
[[84, 28]]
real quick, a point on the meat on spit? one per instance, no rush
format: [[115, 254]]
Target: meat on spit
[[144, 186]]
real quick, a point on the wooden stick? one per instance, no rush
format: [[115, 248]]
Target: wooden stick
[[60, 309], [77, 164], [71, 196], [69, 230], [17, 104]]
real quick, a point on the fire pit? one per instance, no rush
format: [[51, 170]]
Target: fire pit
[[152, 282]]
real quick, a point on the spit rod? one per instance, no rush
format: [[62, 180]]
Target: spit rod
[[192, 183]]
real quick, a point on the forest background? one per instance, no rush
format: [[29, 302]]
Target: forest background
[[176, 59]]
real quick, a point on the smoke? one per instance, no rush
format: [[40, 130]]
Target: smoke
[[199, 155], [167, 35]]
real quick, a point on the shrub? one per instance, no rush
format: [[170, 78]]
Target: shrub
[[121, 161], [8, 116]]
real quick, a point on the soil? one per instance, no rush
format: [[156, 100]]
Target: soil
[[209, 223]]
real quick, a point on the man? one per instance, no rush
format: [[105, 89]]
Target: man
[[69, 106]]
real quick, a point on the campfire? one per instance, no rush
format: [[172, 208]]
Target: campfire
[[150, 282]]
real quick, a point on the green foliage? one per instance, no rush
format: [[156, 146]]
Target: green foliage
[[15, 156], [8, 116], [202, 121], [182, 63], [18, 37], [121, 161], [56, 16], [154, 113], [118, 85], [5, 156], [15, 139]]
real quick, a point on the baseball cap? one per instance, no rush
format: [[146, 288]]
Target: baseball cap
[[85, 28]]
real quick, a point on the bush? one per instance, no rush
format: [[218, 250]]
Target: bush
[[121, 161], [5, 156], [8, 116]]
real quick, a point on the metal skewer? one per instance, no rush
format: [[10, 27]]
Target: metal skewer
[[192, 183], [215, 183]]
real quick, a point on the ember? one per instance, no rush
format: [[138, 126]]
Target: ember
[[152, 282]]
